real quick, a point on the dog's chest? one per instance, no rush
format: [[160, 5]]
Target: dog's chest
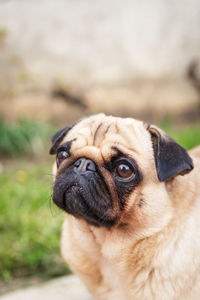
[[110, 264], [112, 281]]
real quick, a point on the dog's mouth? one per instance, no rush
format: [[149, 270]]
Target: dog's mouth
[[85, 197], [74, 202], [82, 204]]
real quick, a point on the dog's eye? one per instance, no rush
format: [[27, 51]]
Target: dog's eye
[[61, 155], [123, 170]]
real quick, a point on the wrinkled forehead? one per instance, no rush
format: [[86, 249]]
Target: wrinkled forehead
[[102, 135]]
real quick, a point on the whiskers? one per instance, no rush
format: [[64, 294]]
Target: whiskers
[[54, 210]]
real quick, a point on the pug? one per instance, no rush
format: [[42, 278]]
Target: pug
[[132, 200]]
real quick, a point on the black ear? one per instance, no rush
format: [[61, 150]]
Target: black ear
[[57, 138], [171, 159]]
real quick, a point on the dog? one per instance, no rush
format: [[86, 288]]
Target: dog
[[132, 200]]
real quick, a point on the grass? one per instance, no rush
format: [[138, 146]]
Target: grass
[[24, 137], [29, 225], [29, 229]]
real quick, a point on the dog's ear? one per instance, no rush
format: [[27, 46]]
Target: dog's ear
[[57, 138], [170, 158]]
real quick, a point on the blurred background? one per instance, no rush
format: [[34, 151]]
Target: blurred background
[[62, 60]]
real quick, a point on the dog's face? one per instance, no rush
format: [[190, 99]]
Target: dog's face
[[112, 171]]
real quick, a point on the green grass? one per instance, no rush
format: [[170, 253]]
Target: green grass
[[29, 227], [24, 137]]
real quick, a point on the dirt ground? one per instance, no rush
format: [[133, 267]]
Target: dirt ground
[[68, 287], [149, 101]]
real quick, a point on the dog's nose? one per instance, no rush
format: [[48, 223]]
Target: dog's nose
[[83, 165]]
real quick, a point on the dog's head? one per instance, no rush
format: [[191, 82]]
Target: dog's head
[[112, 171]]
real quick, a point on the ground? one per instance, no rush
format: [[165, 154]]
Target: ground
[[64, 288]]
